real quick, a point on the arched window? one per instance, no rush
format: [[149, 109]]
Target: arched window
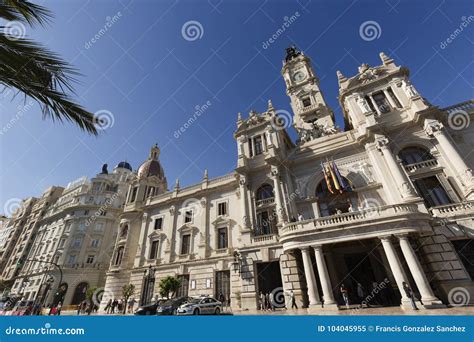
[[119, 255], [265, 192], [414, 154], [79, 293], [333, 203], [124, 231]]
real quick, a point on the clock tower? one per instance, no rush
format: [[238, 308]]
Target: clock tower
[[311, 114]]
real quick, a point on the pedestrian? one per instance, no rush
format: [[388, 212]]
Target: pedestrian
[[409, 293], [267, 301], [131, 304], [293, 300], [58, 308], [114, 305], [345, 295], [78, 308], [262, 301], [360, 294], [300, 217], [108, 307]]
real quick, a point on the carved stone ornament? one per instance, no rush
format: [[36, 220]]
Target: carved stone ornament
[[433, 126], [381, 142]]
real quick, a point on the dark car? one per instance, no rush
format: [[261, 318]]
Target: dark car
[[149, 309], [171, 306]]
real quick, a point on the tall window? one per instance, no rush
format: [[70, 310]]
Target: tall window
[[432, 191], [265, 192], [264, 223], [154, 249], [381, 102], [133, 195], [95, 243], [124, 231], [222, 209], [71, 259], [257, 141], [188, 216], [118, 256], [185, 244], [77, 242], [158, 223], [394, 98], [336, 203], [222, 238], [90, 259]]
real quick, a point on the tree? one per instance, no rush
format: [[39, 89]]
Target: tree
[[38, 73], [169, 285], [127, 292]]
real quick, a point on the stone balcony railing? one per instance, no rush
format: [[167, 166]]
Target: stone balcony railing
[[454, 209], [410, 168], [359, 218], [264, 202], [264, 239]]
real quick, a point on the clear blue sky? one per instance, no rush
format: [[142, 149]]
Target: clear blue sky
[[150, 78]]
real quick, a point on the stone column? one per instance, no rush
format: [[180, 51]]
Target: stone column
[[427, 296], [404, 186], [384, 178], [310, 278], [328, 296], [276, 186], [389, 99], [395, 265], [243, 201], [375, 105], [434, 128]]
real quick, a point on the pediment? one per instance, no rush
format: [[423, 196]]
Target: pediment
[[222, 221]]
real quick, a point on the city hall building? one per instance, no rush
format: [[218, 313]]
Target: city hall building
[[387, 200]]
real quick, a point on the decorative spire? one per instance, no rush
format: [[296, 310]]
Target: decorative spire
[[270, 106], [340, 77], [239, 118], [385, 59], [206, 175], [176, 185], [154, 152]]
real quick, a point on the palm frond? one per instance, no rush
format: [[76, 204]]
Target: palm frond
[[25, 11]]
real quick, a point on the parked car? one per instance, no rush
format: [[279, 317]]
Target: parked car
[[170, 307], [201, 306], [149, 309]]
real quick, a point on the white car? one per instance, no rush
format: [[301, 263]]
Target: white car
[[201, 306]]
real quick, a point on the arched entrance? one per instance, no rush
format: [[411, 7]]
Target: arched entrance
[[80, 293], [332, 203], [60, 294]]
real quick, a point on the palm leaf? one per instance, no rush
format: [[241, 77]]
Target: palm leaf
[[25, 11]]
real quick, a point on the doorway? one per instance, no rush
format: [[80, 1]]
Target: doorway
[[269, 281]]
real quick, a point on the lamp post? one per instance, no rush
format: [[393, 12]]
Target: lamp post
[[237, 262], [55, 265], [148, 284]]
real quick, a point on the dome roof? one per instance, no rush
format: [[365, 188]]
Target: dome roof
[[151, 167], [124, 165]]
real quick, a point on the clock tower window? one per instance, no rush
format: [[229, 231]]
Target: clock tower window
[[306, 101]]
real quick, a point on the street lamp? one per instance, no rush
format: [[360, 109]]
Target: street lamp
[[237, 261]]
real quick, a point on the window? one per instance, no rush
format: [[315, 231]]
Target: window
[[250, 148], [118, 256], [265, 192], [185, 243], [414, 154], [103, 213], [95, 243], [99, 226], [77, 242], [264, 223], [71, 259], [158, 223], [124, 231], [306, 102], [381, 102], [222, 209], [257, 141], [222, 238], [432, 191], [82, 226], [151, 191], [61, 243], [133, 196], [183, 288], [154, 249], [465, 250], [86, 212], [90, 259], [188, 216]]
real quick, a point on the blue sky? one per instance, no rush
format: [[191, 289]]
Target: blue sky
[[151, 79]]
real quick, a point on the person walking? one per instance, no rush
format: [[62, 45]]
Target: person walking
[[409, 293], [108, 306], [360, 294], [114, 304], [271, 301], [131, 304], [58, 308], [293, 300], [262, 301], [345, 295]]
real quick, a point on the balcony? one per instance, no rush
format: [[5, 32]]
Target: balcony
[[265, 202], [264, 239], [366, 223], [426, 164], [454, 210]]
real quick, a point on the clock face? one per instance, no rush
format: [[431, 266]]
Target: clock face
[[299, 76]]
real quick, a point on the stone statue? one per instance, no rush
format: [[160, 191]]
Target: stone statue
[[409, 89], [104, 170], [364, 106]]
